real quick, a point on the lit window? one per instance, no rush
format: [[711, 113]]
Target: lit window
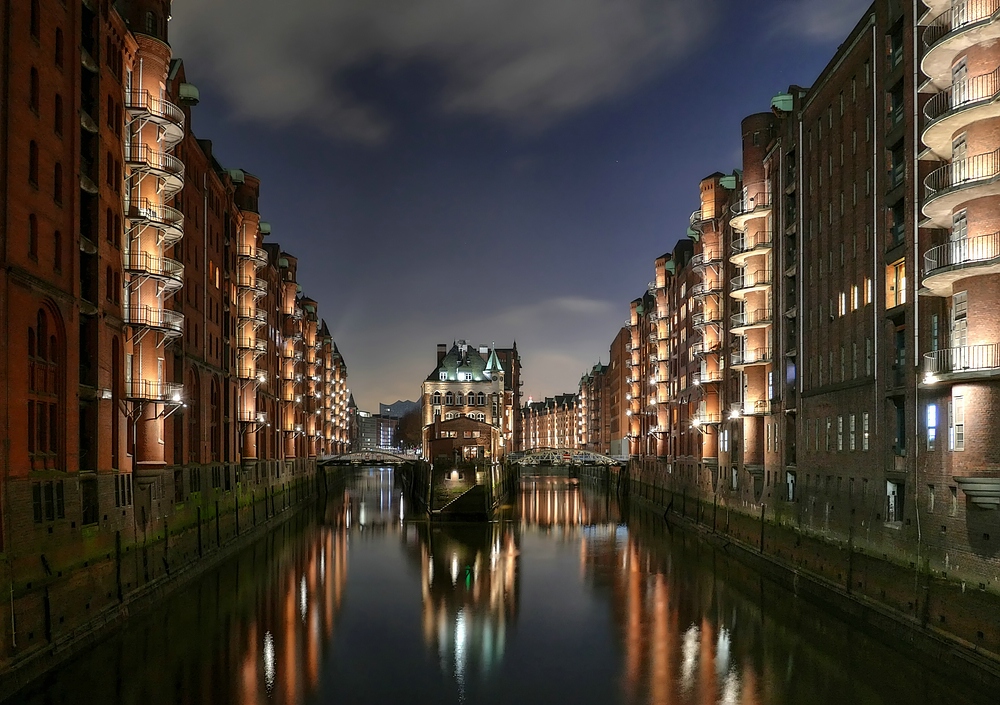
[[931, 425]]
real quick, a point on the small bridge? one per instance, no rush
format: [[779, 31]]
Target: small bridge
[[566, 456], [377, 458]]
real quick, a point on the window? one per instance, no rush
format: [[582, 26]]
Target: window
[[956, 423], [33, 236], [57, 256], [840, 433], [790, 486], [935, 333], [953, 505], [178, 486], [123, 490], [436, 399], [829, 427], [57, 119], [44, 377], [864, 431], [931, 426], [868, 356], [724, 440], [459, 399], [449, 399], [59, 48], [930, 499], [89, 501], [33, 91], [481, 399], [48, 500], [894, 498], [852, 429], [894, 105], [33, 163], [894, 46], [35, 20], [960, 323], [57, 183]]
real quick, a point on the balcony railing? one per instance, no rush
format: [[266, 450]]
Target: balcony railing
[[957, 253], [760, 199], [251, 417], [706, 258], [751, 357], [706, 377], [141, 156], [169, 271], [706, 287], [154, 317], [749, 243], [968, 358], [139, 102], [961, 15], [761, 407], [760, 277], [751, 318], [153, 390], [169, 221], [980, 89], [256, 284], [706, 318], [257, 255], [252, 313], [964, 172]]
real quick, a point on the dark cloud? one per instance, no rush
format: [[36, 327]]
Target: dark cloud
[[525, 62], [818, 20]]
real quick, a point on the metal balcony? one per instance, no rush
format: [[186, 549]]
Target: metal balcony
[[755, 204], [257, 255], [749, 358], [168, 272], [958, 106], [168, 221], [701, 319], [970, 362], [169, 169], [972, 256], [706, 288], [252, 283], [746, 246], [953, 184], [743, 284], [252, 313], [154, 391], [757, 318], [965, 24], [761, 407], [706, 377], [168, 117], [707, 258], [155, 318]]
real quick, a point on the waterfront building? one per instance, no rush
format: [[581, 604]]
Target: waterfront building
[[553, 422], [468, 385], [162, 364]]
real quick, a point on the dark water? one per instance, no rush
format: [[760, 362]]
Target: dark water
[[567, 601]]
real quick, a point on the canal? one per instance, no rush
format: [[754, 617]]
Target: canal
[[570, 599]]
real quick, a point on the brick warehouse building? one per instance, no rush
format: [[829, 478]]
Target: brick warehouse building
[[161, 367], [781, 359]]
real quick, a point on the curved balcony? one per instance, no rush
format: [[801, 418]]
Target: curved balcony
[[255, 345], [706, 419], [252, 313], [706, 377], [253, 417], [705, 259], [254, 284], [248, 370], [168, 272], [747, 246], [152, 390], [750, 207], [958, 106], [167, 116], [758, 280], [968, 257], [757, 318], [703, 319], [967, 363], [984, 492], [167, 168], [951, 185], [706, 288], [154, 318], [964, 25], [254, 254], [168, 221], [749, 358], [761, 407]]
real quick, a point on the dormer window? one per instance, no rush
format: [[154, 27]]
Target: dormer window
[[443, 376]]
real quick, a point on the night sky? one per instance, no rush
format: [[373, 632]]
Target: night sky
[[494, 170]]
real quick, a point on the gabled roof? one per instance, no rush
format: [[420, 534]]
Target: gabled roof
[[462, 358]]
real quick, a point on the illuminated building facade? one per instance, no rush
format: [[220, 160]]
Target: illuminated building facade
[[161, 362]]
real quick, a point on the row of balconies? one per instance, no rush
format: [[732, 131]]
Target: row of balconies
[[144, 160], [169, 222], [168, 272]]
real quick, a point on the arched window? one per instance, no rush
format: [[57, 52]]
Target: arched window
[[459, 399], [193, 411], [481, 399], [109, 226], [33, 163], [57, 183], [35, 21], [57, 256], [109, 284], [116, 394], [59, 47], [449, 399], [151, 24], [436, 399], [57, 119], [33, 90], [44, 385], [33, 236]]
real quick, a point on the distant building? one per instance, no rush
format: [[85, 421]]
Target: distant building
[[398, 409], [466, 404]]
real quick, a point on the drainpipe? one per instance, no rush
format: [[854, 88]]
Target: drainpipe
[[916, 299], [876, 256]]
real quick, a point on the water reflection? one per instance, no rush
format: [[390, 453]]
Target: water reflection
[[563, 601]]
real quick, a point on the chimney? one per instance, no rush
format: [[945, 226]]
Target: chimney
[[442, 351]]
